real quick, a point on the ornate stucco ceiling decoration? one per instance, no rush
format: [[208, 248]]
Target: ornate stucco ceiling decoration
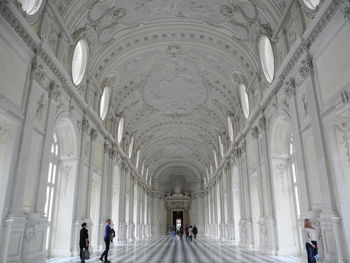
[[177, 65]]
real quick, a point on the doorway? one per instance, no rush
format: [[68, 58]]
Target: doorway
[[178, 219]]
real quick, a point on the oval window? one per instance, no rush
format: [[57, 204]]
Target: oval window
[[104, 103], [244, 100], [312, 4], [266, 58], [31, 6], [230, 128], [79, 61], [120, 130]]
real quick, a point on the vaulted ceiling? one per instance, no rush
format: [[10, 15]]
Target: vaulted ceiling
[[175, 67]]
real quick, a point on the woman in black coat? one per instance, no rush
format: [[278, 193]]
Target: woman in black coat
[[83, 241]]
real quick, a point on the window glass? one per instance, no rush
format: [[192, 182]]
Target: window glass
[[221, 147], [31, 6], [312, 4], [79, 61], [120, 129], [104, 103], [266, 58], [137, 159], [51, 183], [244, 100], [215, 159], [131, 146], [230, 128]]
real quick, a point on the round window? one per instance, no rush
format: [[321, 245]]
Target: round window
[[312, 4], [266, 58], [120, 129], [31, 6], [230, 128], [79, 61], [244, 100], [104, 103]]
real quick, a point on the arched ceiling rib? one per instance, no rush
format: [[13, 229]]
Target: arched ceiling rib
[[175, 64]]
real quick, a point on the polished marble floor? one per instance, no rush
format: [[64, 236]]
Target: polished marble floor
[[169, 250]]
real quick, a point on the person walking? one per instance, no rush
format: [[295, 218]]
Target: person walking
[[310, 236], [190, 232], [83, 241], [181, 232], [186, 232], [107, 239], [195, 231], [173, 231]]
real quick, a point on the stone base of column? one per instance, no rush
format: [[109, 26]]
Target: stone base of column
[[267, 234], [12, 236], [246, 233], [34, 238], [222, 231], [332, 240], [131, 232], [121, 234], [229, 230]]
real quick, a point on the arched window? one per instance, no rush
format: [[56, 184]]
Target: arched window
[[51, 183], [230, 128], [79, 61], [31, 6], [244, 100], [293, 173], [267, 58], [120, 129], [312, 4], [104, 103]]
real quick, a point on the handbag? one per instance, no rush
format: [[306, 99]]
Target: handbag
[[317, 257], [86, 254]]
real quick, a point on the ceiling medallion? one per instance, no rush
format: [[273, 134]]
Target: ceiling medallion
[[174, 86]]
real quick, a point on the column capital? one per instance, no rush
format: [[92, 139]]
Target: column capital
[[93, 134], [255, 132], [306, 68], [54, 91], [290, 88]]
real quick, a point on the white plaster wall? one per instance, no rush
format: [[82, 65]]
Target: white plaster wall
[[13, 73], [33, 171], [332, 64], [312, 171]]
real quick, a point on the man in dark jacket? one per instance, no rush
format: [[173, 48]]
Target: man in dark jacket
[[107, 239], [83, 241]]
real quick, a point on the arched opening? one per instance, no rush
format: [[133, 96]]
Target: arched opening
[[285, 187], [60, 189]]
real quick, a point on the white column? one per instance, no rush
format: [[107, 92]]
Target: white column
[[121, 233], [131, 225], [230, 210]]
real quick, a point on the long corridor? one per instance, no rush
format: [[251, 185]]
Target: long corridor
[[167, 249]]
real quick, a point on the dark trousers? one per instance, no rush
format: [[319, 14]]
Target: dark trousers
[[311, 252], [105, 253], [82, 248]]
